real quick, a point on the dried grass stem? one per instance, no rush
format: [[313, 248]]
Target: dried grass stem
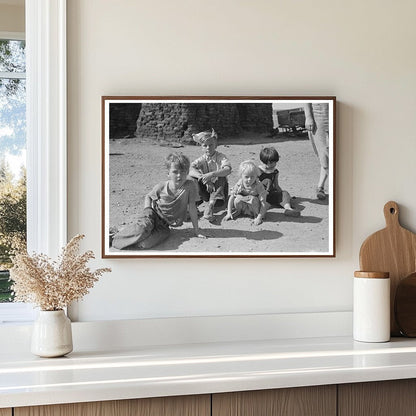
[[53, 285]]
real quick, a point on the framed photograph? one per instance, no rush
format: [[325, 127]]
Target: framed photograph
[[218, 177]]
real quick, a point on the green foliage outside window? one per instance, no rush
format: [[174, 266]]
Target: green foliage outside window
[[12, 145], [12, 223]]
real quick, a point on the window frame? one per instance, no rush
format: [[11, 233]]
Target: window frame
[[46, 138], [46, 125]]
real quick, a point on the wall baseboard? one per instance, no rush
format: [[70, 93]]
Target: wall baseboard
[[110, 335]]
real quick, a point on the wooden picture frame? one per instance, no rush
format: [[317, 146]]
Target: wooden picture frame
[[138, 133]]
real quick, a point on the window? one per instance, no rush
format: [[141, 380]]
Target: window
[[46, 135], [12, 152]]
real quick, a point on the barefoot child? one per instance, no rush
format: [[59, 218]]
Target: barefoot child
[[164, 207], [211, 171], [248, 195], [269, 177]]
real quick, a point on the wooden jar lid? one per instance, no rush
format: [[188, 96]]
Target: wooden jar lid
[[372, 275]]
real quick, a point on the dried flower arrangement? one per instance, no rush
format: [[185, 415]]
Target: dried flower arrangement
[[53, 285]]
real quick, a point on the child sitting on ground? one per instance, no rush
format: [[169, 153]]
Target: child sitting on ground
[[164, 207], [269, 177], [248, 196], [211, 171]]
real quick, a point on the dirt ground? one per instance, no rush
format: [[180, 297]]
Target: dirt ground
[[136, 165]]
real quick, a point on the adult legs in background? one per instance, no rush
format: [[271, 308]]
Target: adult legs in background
[[320, 145]]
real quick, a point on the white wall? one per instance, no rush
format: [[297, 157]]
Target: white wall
[[363, 52], [12, 17]]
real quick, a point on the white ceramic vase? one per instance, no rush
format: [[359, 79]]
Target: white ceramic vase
[[52, 334]]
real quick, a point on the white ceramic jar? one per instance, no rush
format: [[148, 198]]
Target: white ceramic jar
[[371, 308]]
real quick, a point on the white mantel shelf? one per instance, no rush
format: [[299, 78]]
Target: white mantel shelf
[[166, 370]]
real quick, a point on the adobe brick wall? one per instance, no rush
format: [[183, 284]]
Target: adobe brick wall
[[123, 118], [177, 122]]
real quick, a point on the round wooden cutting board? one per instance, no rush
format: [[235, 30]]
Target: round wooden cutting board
[[405, 306], [393, 250]]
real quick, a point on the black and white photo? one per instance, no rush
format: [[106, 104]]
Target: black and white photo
[[218, 176]]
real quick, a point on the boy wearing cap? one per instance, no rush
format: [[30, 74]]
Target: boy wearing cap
[[211, 171]]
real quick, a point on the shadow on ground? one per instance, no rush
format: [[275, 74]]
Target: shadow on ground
[[297, 201], [280, 217]]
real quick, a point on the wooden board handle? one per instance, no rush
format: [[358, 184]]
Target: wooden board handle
[[391, 214]]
